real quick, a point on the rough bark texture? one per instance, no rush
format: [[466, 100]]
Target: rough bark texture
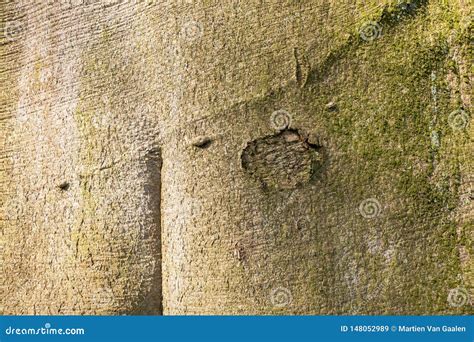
[[236, 157]]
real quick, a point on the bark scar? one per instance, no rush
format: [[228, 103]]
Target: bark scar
[[302, 69], [284, 161]]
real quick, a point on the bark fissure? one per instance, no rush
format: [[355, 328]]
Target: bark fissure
[[153, 188]]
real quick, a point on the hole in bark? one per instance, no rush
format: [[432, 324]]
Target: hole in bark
[[202, 142], [285, 160], [64, 186], [331, 106]]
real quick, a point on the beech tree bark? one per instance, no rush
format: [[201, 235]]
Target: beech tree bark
[[236, 157]]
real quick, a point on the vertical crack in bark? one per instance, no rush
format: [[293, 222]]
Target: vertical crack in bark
[[153, 192]]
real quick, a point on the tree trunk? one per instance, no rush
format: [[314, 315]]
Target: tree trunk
[[227, 157]]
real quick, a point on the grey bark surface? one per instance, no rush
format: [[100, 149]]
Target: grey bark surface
[[236, 157]]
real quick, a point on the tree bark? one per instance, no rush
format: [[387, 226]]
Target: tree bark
[[228, 157]]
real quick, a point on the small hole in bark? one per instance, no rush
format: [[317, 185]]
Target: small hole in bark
[[202, 142], [64, 186], [331, 106]]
